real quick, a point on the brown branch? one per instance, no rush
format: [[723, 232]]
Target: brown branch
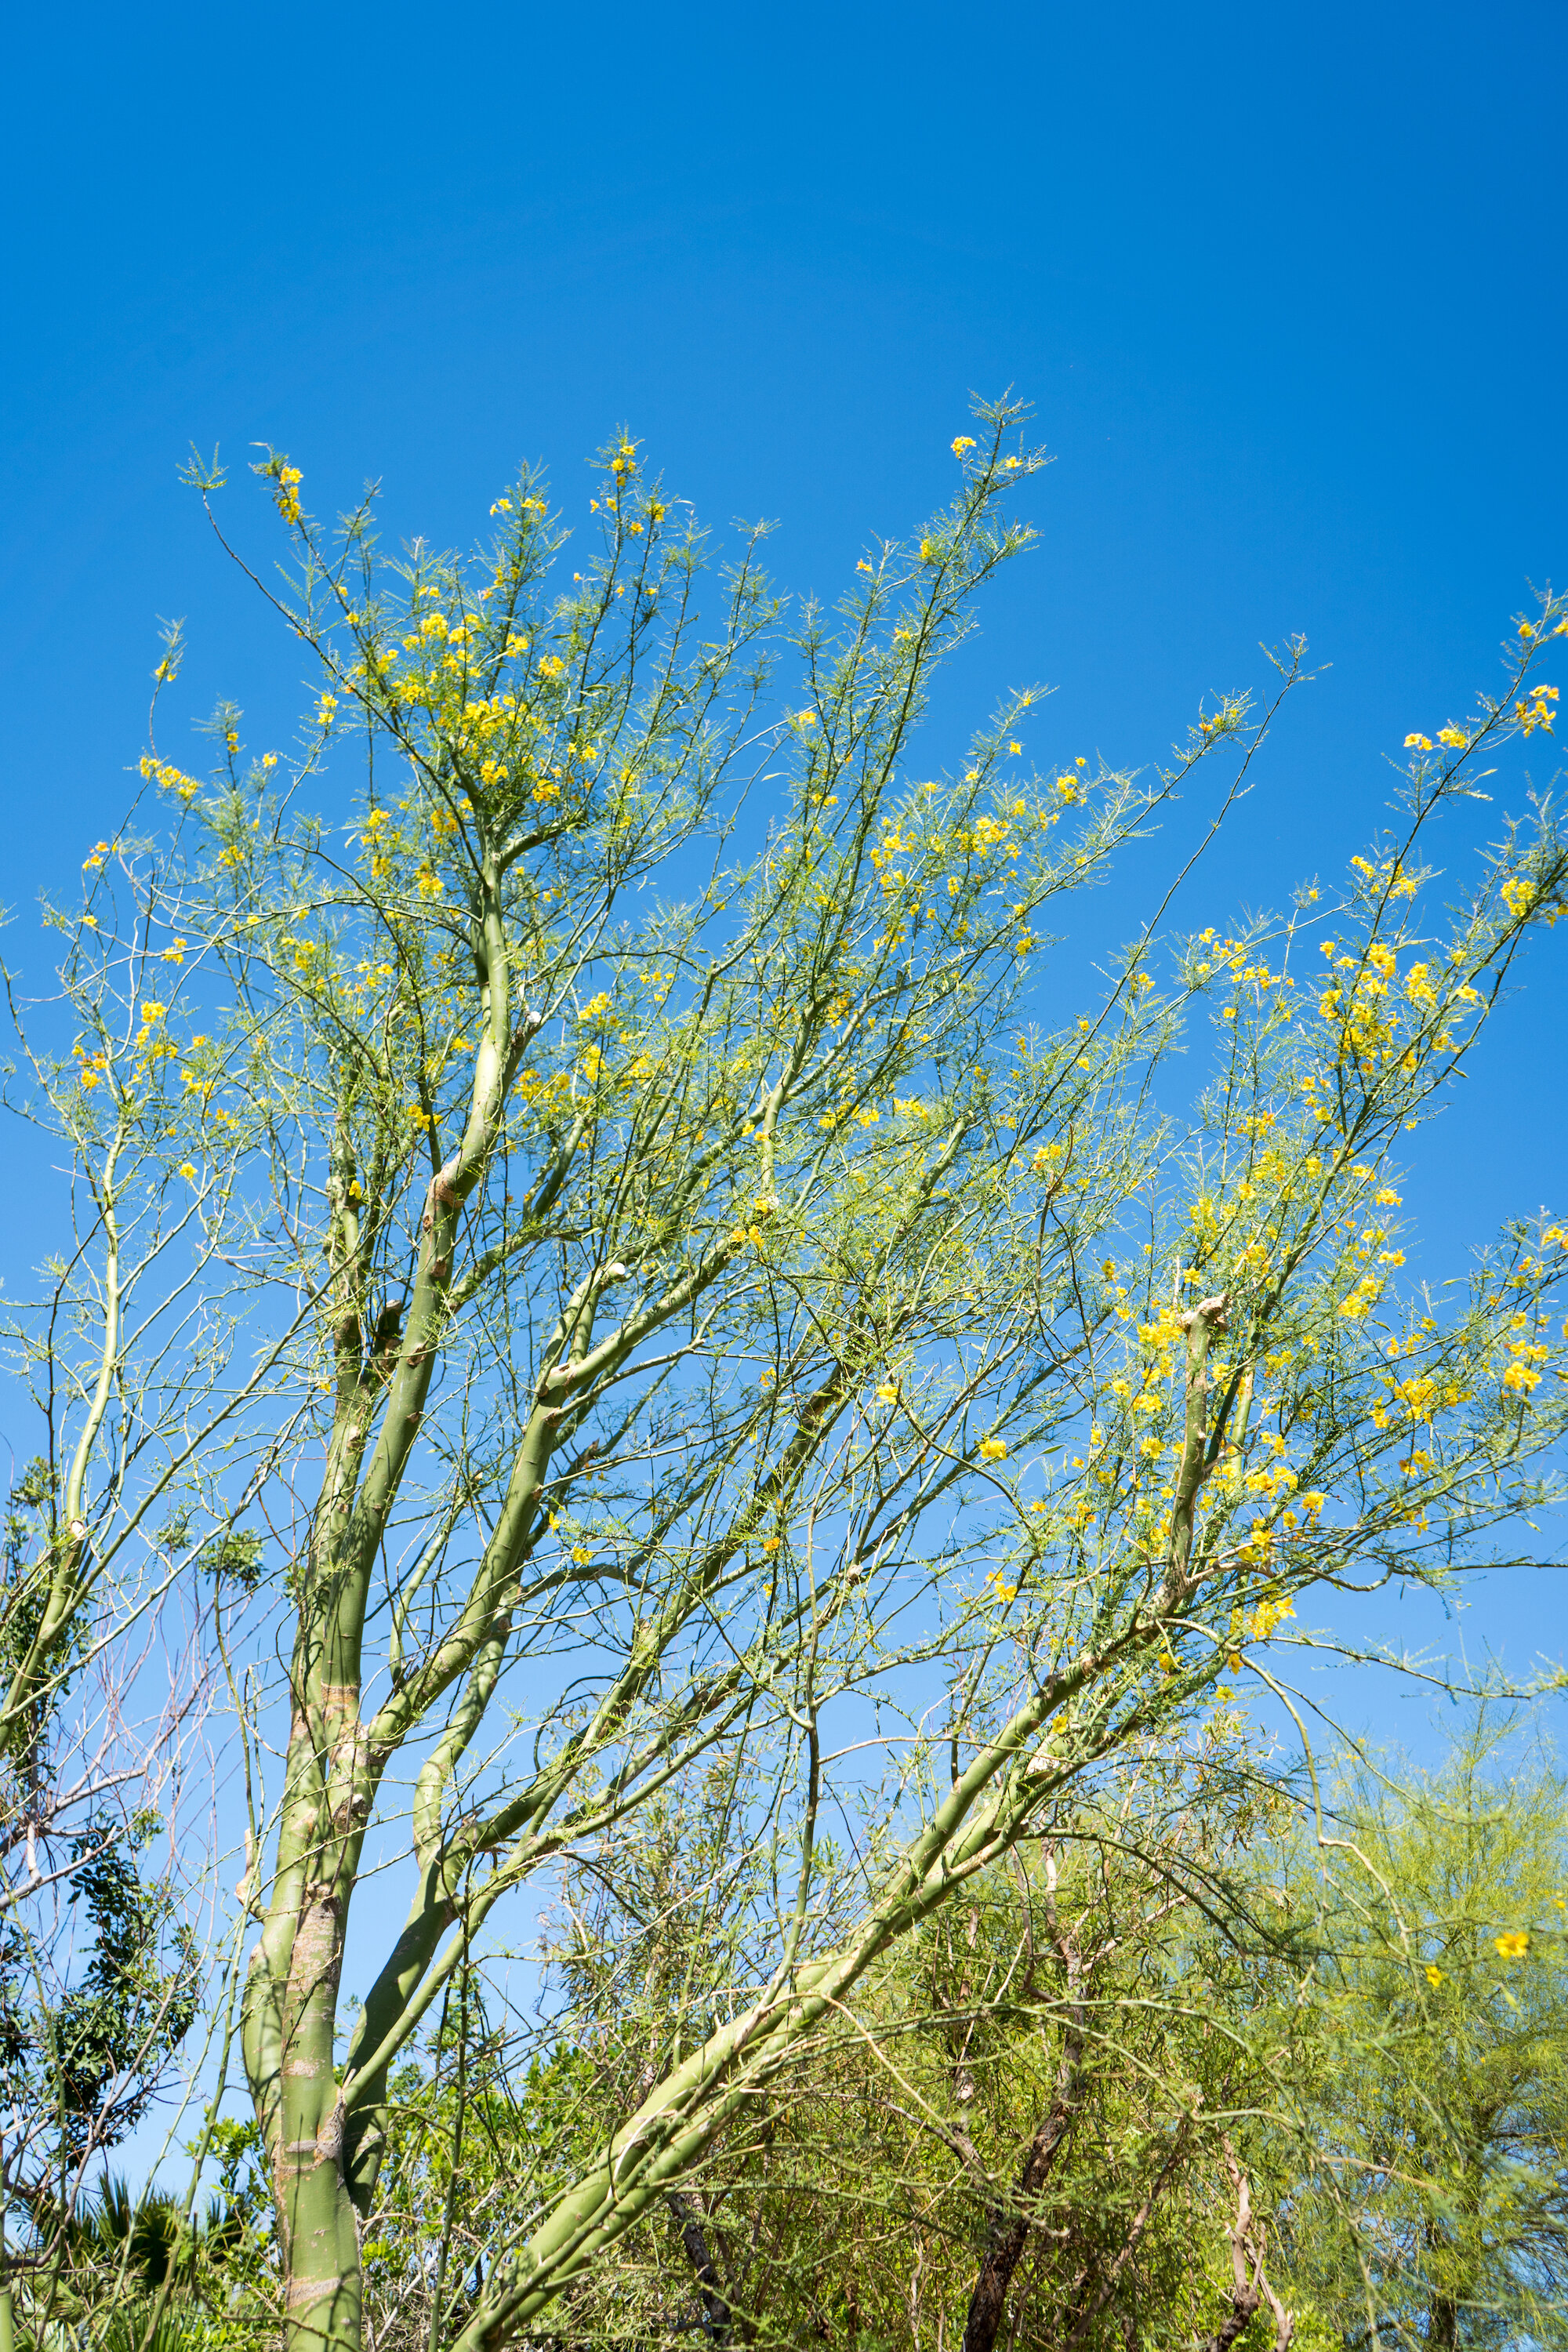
[[1247, 2236], [1008, 2224]]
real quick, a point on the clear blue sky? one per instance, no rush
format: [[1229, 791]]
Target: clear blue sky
[[1286, 288]]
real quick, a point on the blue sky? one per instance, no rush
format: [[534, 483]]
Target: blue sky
[[1286, 291]]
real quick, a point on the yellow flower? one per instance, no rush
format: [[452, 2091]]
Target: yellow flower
[[769, 1543], [887, 1393], [962, 442], [1418, 743], [993, 1450], [1514, 1945], [1433, 1976], [581, 1554], [187, 1171]]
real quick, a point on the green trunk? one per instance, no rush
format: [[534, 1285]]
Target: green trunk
[[319, 2239]]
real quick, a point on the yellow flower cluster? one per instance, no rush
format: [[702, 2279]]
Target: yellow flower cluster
[[1526, 1353], [1368, 1017], [545, 1096], [1269, 1613], [286, 479], [1536, 711], [1160, 1337], [375, 832], [164, 772], [1520, 894], [1359, 1301], [1454, 738]]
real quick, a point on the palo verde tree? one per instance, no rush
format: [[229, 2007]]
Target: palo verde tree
[[654, 1296]]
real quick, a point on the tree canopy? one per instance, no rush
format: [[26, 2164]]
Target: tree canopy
[[599, 1269]]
